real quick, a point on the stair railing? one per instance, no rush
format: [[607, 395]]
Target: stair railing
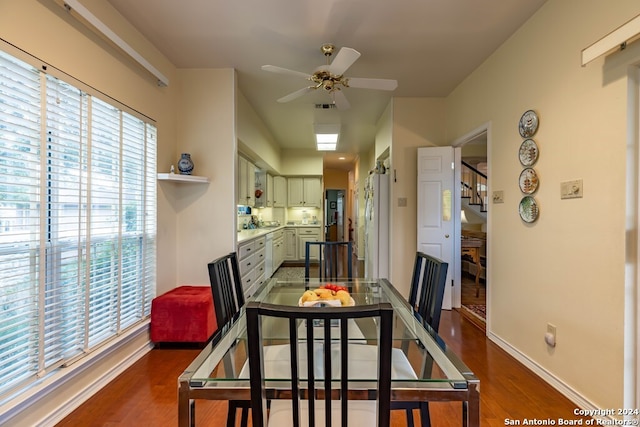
[[474, 186]]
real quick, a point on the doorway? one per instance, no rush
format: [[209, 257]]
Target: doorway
[[472, 275], [334, 215]]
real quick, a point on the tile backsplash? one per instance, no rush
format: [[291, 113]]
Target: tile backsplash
[[282, 215]]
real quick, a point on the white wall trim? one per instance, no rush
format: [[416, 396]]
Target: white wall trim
[[555, 382]]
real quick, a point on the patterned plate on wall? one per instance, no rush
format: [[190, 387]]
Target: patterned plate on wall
[[528, 209], [528, 152], [528, 124], [528, 181]]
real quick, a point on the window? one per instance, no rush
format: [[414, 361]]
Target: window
[[77, 221]]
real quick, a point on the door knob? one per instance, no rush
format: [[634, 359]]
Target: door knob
[[446, 236]]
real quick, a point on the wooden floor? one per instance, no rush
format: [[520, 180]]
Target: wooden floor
[[146, 394]]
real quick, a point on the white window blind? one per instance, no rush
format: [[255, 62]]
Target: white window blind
[[77, 222]]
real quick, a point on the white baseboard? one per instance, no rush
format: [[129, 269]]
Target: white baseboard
[[555, 382]]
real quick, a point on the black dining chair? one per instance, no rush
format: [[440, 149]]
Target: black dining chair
[[335, 260], [427, 288], [228, 298], [425, 297], [305, 401]]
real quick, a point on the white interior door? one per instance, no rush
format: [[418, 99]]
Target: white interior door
[[437, 206]]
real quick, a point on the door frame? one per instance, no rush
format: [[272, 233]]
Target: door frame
[[457, 276]]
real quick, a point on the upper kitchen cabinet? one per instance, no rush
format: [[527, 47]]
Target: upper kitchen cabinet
[[274, 190], [279, 192], [263, 190], [269, 195], [305, 192], [246, 182]]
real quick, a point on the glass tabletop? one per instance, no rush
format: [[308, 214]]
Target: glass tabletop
[[421, 359]]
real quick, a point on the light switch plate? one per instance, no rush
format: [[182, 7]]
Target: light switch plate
[[498, 196], [402, 202], [571, 189]]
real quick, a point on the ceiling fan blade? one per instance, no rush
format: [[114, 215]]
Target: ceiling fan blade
[[280, 70], [381, 84], [296, 94], [340, 100], [343, 60]]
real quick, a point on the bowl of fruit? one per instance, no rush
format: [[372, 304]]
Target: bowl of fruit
[[329, 294]]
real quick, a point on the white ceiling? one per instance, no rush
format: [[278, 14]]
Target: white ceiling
[[428, 46]]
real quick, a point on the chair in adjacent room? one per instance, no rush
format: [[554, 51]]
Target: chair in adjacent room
[[425, 297], [335, 260], [228, 298], [333, 363]]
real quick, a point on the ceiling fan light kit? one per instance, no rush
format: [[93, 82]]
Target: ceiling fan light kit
[[330, 77]]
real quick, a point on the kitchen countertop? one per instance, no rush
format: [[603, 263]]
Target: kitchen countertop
[[244, 235]]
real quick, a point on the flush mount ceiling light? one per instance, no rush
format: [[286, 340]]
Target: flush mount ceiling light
[[327, 136]]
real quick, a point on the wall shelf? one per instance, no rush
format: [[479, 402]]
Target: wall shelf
[[174, 177]]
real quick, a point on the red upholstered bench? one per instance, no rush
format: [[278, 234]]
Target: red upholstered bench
[[183, 315]]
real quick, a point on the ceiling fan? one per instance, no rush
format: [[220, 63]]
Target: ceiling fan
[[330, 77]]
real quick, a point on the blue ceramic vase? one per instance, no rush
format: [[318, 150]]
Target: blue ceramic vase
[[185, 164]]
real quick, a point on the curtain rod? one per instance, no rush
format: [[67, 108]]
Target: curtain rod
[[617, 39], [90, 20]]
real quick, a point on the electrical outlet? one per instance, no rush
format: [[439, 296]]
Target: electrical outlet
[[550, 336], [402, 202]]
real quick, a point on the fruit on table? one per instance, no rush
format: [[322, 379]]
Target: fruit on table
[[327, 292]]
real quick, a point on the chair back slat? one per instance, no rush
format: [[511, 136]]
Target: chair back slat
[[226, 287], [427, 288], [335, 260], [313, 340]]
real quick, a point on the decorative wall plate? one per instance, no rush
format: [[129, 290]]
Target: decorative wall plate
[[528, 181], [528, 152], [528, 209], [528, 124]]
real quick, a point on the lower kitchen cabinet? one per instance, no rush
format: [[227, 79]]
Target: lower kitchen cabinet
[[251, 257], [308, 234], [277, 250], [290, 244]]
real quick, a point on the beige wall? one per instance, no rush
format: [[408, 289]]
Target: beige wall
[[417, 122], [335, 179], [206, 213], [255, 140], [301, 163], [568, 268]]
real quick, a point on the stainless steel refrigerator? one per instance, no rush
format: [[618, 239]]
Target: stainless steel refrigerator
[[376, 230]]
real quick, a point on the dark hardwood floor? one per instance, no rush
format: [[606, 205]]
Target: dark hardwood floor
[[146, 394]]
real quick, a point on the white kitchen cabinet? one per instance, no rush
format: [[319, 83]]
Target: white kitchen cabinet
[[312, 192], [246, 182], [279, 192], [308, 234], [269, 195], [251, 258], [304, 192], [278, 249], [290, 244]]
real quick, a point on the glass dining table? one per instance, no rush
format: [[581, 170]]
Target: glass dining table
[[430, 371]]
